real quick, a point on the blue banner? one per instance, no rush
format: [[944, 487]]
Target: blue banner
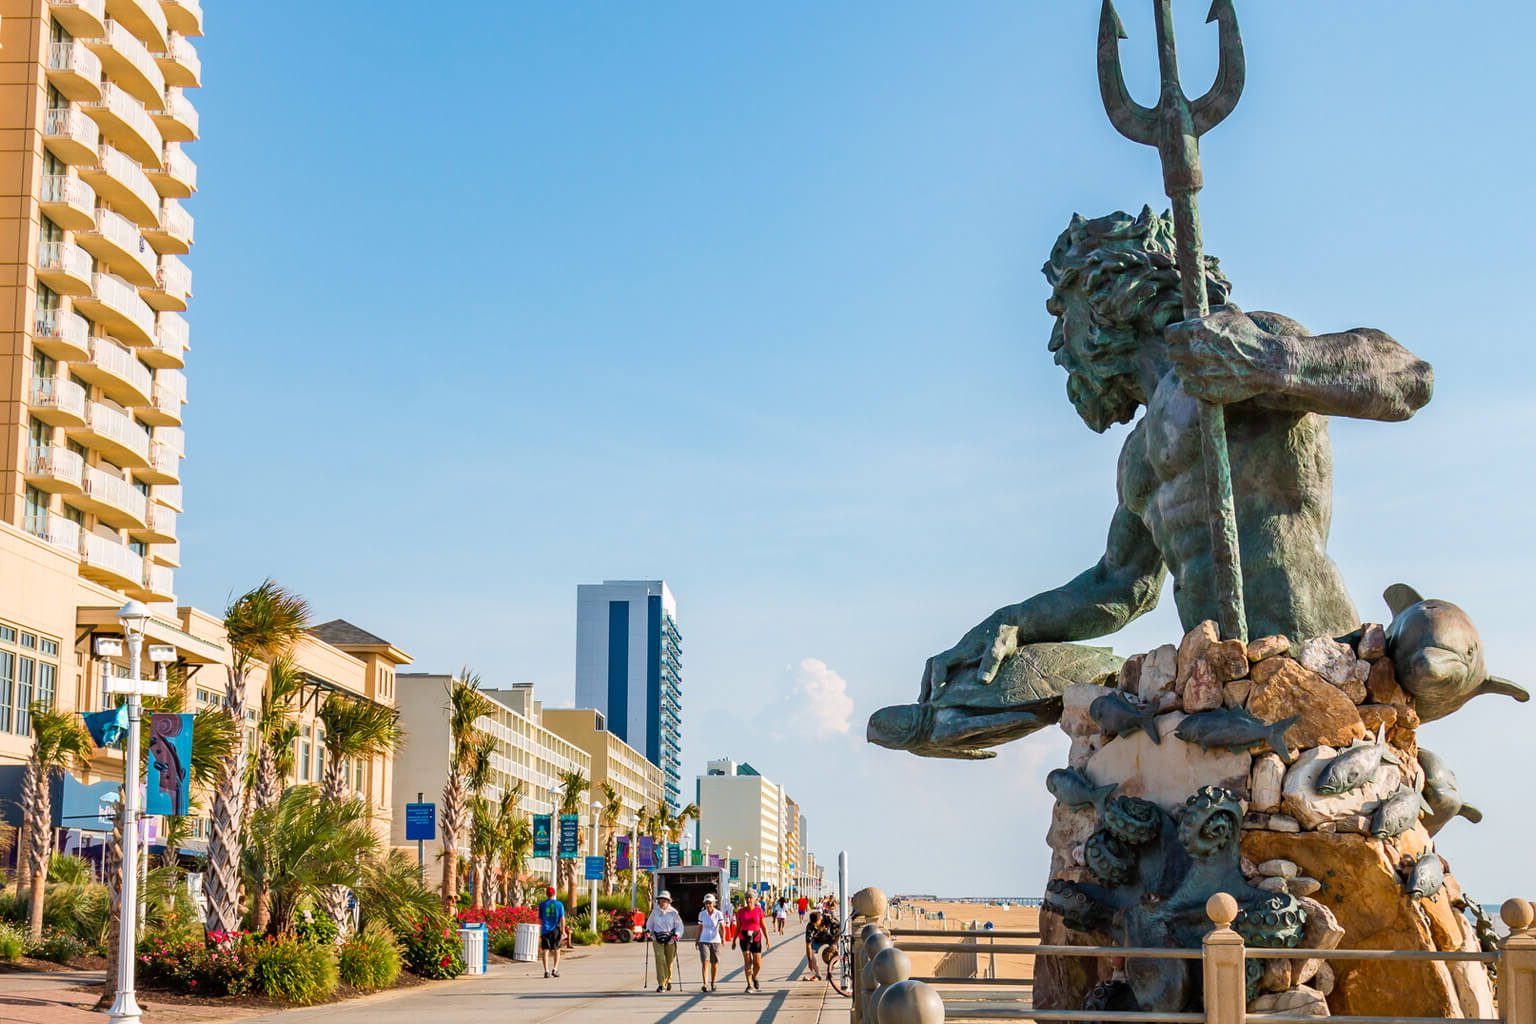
[[674, 855], [541, 835], [168, 785], [647, 852], [107, 727], [621, 853], [735, 869], [570, 836], [597, 868], [420, 822]]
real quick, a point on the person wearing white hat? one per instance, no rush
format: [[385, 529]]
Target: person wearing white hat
[[711, 935], [665, 927]]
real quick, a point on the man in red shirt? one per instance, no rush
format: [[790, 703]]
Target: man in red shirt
[[802, 904], [753, 938]]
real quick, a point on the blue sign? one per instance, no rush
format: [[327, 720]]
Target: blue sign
[[91, 808], [674, 855], [597, 867], [541, 835], [735, 869], [420, 822], [646, 853], [168, 782], [570, 836], [763, 886]]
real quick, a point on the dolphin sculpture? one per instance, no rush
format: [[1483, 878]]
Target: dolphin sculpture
[[1442, 796], [1438, 655]]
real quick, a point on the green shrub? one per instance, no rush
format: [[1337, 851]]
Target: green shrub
[[433, 951], [291, 970], [318, 927], [183, 962], [585, 937], [70, 870], [12, 942], [56, 947], [13, 908], [370, 960], [83, 911], [504, 945]]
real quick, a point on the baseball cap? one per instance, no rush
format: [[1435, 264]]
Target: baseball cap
[[549, 890], [709, 898], [664, 895]]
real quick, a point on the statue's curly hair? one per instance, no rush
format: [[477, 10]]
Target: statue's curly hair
[[1128, 269]]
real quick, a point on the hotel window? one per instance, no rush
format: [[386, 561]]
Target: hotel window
[[29, 671], [36, 511]]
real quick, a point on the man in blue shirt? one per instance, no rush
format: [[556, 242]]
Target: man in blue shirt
[[551, 931]]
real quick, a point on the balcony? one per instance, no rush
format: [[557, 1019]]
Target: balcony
[[179, 64], [114, 500], [173, 438], [157, 584], [115, 305], [57, 400], [144, 18], [74, 70], [170, 345], [172, 287], [168, 495], [115, 435], [56, 530], [122, 183], [167, 554], [176, 178], [71, 136], [164, 466], [126, 124], [165, 405], [117, 372], [64, 267], [159, 526], [61, 334], [108, 561], [177, 117], [174, 235], [69, 202], [116, 241], [127, 62], [184, 16], [80, 17], [54, 468]]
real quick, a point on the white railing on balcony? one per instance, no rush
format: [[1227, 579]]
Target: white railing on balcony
[[55, 462], [176, 221], [56, 530], [123, 297], [110, 555], [67, 122], [125, 169], [168, 552], [131, 112], [62, 324], [120, 363], [167, 401], [95, 8], [180, 109], [157, 579], [192, 9], [66, 257], [160, 519], [72, 192], [58, 393], [136, 53], [174, 277], [172, 333], [180, 166], [165, 459], [124, 234], [184, 53], [169, 494], [74, 56], [173, 438], [172, 382], [110, 423], [115, 491]]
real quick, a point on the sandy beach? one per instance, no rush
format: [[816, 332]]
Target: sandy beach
[[960, 915]]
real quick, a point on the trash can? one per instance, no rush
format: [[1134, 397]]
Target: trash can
[[525, 943], [474, 938]]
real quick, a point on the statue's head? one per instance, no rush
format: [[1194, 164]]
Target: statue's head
[[1114, 286]]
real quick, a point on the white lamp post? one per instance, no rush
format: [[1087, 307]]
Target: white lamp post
[[125, 1008], [597, 809]]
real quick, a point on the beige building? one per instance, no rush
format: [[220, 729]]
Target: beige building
[[742, 810], [526, 753], [638, 782]]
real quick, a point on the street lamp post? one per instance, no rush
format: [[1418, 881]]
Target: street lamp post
[[125, 1008], [634, 862], [597, 809], [727, 871]]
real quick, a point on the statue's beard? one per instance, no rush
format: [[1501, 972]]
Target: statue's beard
[[1103, 401]]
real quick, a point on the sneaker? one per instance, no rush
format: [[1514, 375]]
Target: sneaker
[[757, 984], [556, 972], [658, 988], [546, 974], [669, 986]]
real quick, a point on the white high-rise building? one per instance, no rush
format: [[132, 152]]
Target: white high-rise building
[[629, 666], [744, 812]]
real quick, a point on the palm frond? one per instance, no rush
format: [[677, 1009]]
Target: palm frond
[[356, 728], [264, 623], [213, 744]]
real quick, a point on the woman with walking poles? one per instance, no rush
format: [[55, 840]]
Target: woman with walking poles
[[753, 938], [664, 927]]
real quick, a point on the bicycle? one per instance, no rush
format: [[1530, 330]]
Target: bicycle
[[839, 966]]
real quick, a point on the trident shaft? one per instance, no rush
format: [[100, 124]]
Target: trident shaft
[[1174, 126]]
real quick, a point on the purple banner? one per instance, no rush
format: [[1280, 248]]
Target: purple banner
[[622, 857], [647, 849], [716, 861]]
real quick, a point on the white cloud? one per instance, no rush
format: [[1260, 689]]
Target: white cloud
[[817, 703]]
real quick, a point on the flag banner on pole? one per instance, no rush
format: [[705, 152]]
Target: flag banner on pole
[[696, 858], [735, 869], [168, 783], [674, 855], [541, 835], [647, 852], [621, 853], [107, 727], [570, 836]]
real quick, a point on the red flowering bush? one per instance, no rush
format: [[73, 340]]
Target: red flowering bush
[[500, 921], [205, 967], [432, 950]]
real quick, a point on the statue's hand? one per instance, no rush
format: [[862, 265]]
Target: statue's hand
[[983, 648], [1225, 358]]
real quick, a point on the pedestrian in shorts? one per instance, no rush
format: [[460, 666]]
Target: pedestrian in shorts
[[711, 935]]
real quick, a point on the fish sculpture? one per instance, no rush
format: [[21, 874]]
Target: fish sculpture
[[1427, 877], [1118, 715], [1235, 729], [1442, 795], [1353, 766], [1396, 814], [1438, 654], [1074, 789]]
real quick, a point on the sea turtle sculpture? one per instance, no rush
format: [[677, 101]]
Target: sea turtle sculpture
[[1438, 654], [963, 716]]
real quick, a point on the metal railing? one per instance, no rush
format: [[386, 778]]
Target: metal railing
[[126, 108], [176, 221], [171, 333], [888, 993], [127, 171], [64, 325], [113, 291], [135, 53], [58, 393], [69, 191], [124, 234], [54, 529], [76, 57], [114, 491], [180, 166], [64, 257], [69, 123], [55, 462], [110, 556], [116, 426], [108, 355], [180, 109], [174, 277]]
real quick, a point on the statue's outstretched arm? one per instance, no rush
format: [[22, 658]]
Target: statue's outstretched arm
[[1230, 357], [1123, 585]]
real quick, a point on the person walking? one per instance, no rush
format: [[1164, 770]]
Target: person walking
[[552, 927], [780, 915], [803, 905], [711, 935], [753, 938], [664, 927]]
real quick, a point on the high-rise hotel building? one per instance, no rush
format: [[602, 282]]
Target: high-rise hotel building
[[629, 666], [94, 112]]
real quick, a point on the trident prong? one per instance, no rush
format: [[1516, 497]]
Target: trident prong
[[1212, 108], [1131, 119]]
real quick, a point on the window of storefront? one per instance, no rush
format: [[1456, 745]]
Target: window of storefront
[[29, 671]]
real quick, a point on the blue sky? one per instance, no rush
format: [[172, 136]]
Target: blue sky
[[518, 296]]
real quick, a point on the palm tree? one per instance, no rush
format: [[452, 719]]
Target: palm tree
[[476, 778], [275, 730], [466, 705], [261, 625], [613, 807], [508, 820], [573, 786], [677, 823], [355, 730], [390, 891], [59, 741], [304, 843]]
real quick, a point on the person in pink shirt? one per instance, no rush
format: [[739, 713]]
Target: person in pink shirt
[[753, 938]]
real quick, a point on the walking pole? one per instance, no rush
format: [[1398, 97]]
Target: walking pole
[[645, 964], [1174, 126]]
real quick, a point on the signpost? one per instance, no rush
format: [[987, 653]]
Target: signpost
[[594, 869], [420, 825]]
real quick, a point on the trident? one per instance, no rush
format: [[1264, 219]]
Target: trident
[[1174, 126]]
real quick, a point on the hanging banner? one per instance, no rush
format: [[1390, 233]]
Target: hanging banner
[[541, 835], [169, 782], [106, 727], [696, 858], [647, 851], [570, 836], [621, 854], [735, 869], [674, 855]]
